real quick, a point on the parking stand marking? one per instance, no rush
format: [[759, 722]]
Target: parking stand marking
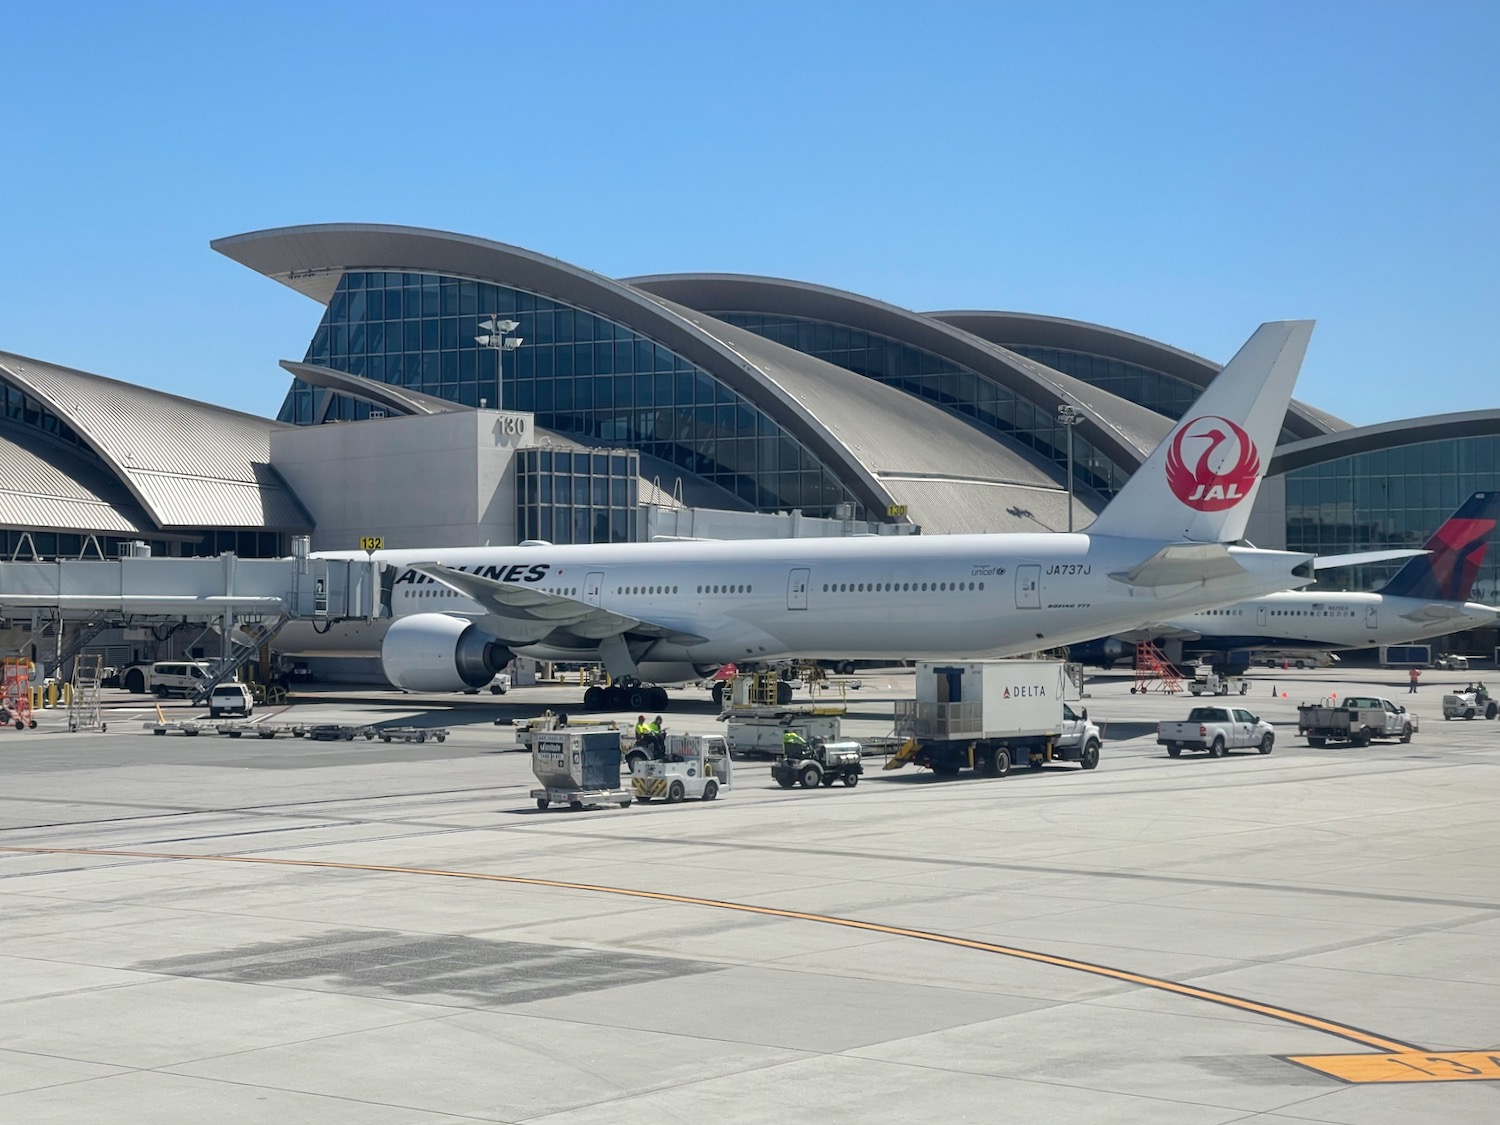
[[1399, 1062]]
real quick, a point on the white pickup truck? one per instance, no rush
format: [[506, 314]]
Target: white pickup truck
[[1217, 730], [1355, 719]]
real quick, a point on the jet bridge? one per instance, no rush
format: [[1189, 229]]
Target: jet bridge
[[246, 601]]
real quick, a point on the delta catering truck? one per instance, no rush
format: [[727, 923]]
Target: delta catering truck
[[985, 715]]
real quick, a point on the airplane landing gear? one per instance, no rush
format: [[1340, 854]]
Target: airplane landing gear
[[624, 696]]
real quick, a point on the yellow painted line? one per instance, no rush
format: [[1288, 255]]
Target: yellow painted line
[[1240, 1003], [1406, 1066]]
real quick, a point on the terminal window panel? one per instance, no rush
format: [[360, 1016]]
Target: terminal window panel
[[928, 376], [577, 372], [1390, 498]]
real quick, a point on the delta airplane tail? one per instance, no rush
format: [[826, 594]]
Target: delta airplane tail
[[1455, 554], [1199, 484]]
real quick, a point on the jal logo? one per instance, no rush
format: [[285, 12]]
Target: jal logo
[[1212, 464]]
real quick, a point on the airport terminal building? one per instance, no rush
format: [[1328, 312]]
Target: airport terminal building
[[490, 394]]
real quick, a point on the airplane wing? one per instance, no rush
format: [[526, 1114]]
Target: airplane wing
[[1361, 558], [1181, 563], [519, 614]]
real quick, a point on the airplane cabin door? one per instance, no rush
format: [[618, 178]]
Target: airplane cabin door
[[796, 588], [1372, 617], [1028, 587], [593, 587], [1260, 616]]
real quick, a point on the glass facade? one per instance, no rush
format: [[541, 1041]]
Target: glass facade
[[1156, 390], [973, 397], [580, 374], [577, 497], [1390, 498]]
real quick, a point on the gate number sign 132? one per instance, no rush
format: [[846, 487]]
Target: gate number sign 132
[[371, 542]]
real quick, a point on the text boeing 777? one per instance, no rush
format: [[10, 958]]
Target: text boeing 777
[[663, 612]]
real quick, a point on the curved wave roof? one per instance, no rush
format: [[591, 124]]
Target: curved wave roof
[[877, 444], [187, 464], [46, 485], [1121, 429], [1034, 330], [1384, 435]]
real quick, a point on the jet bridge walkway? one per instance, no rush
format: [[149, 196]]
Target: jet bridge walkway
[[245, 601]]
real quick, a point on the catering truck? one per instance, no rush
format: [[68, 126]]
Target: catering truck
[[989, 714]]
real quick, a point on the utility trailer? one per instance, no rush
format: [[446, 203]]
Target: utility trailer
[[1355, 719], [985, 715]]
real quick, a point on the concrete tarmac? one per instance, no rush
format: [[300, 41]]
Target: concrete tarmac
[[276, 931]]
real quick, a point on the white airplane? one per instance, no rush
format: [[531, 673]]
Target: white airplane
[[666, 612], [1428, 597]]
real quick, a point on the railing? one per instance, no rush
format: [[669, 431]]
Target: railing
[[916, 719]]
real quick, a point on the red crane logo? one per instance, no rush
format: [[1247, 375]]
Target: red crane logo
[[1225, 468]]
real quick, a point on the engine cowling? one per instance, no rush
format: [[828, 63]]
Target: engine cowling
[[440, 652]]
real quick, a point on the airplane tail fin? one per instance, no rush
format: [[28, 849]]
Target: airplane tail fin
[[1455, 554], [1200, 482]]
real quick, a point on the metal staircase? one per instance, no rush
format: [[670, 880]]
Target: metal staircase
[[1153, 671]]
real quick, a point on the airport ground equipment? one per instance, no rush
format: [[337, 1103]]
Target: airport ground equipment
[[985, 715], [1208, 682], [759, 730], [1355, 719], [1470, 702], [1153, 671], [577, 767], [693, 765], [820, 762], [15, 693], [83, 701], [1217, 730], [231, 697]]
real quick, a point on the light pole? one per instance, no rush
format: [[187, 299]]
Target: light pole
[[495, 333], [1069, 416]]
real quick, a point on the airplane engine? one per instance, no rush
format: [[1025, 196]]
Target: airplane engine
[[440, 652]]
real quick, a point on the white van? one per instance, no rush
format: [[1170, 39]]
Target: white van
[[230, 699], [178, 677]]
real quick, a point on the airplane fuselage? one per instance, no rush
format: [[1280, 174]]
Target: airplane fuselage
[[863, 597], [1311, 619]]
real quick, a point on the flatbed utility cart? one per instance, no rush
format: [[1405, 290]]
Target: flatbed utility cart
[[578, 768]]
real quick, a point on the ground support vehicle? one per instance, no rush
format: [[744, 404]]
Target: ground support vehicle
[[1354, 719], [694, 765], [821, 762], [577, 768], [409, 734], [1217, 730], [759, 730], [1468, 703], [1205, 682], [240, 727], [231, 697], [986, 715]]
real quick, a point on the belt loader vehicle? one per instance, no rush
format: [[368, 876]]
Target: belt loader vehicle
[[985, 715], [1354, 719]]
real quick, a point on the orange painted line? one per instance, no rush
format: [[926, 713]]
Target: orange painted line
[[1240, 1003], [1407, 1066]]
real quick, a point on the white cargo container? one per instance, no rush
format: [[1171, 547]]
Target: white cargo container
[[986, 714]]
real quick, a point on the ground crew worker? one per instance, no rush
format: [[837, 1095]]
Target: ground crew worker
[[642, 728], [1413, 674], [793, 745]]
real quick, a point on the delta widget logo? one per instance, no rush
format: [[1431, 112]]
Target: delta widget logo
[[1224, 464]]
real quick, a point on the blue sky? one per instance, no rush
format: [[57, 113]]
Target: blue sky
[[1179, 170]]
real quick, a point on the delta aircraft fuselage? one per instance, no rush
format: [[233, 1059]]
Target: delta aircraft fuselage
[[1309, 619], [864, 597]]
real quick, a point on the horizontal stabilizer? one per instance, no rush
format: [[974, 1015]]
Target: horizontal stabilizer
[[1362, 558], [1182, 563]]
